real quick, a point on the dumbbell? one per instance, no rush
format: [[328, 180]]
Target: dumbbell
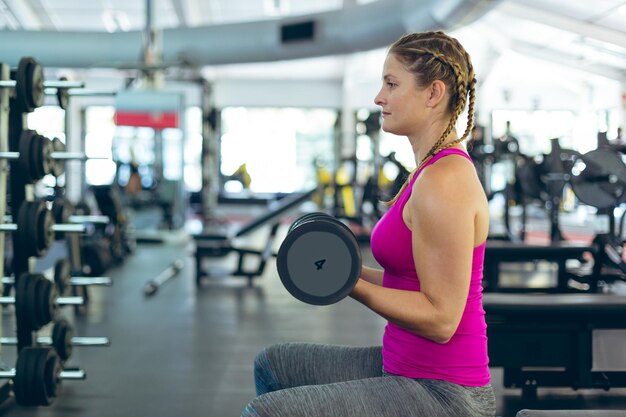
[[30, 86], [62, 339], [36, 301], [35, 228], [64, 280], [319, 262], [37, 376], [39, 156], [63, 212]]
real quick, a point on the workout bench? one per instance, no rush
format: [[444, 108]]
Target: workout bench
[[557, 340], [499, 251], [213, 245]]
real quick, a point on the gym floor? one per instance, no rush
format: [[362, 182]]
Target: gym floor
[[189, 351]]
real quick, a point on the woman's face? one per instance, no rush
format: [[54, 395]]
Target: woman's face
[[402, 102]]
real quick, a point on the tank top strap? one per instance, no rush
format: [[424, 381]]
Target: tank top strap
[[438, 156]]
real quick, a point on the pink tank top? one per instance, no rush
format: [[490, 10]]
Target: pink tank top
[[463, 360]]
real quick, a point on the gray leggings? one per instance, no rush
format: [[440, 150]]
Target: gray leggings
[[300, 379]]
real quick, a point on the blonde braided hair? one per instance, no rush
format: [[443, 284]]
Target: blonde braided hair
[[434, 56]]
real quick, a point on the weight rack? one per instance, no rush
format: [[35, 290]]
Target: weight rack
[[5, 75], [21, 92]]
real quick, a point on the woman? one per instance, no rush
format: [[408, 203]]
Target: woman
[[431, 244]]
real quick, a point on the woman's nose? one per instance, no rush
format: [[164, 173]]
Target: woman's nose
[[378, 100]]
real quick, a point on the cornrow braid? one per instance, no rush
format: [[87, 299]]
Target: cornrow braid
[[446, 66], [461, 93], [470, 110]]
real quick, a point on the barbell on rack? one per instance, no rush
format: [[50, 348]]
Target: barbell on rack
[[64, 280], [62, 339], [36, 301], [78, 281], [62, 211], [30, 87], [37, 376], [39, 156], [63, 94], [35, 228]]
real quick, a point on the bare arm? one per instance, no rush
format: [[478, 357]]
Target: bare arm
[[372, 275], [442, 226]]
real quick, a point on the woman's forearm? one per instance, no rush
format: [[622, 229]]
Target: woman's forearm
[[411, 310], [372, 275]]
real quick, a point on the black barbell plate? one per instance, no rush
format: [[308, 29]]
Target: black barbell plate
[[44, 221], [25, 314], [46, 296], [22, 87], [63, 95], [35, 158], [62, 333], [97, 256], [63, 275], [528, 176], [43, 371], [38, 216], [26, 138], [308, 216], [24, 235], [61, 211], [52, 371], [592, 174], [25, 377], [20, 381], [34, 300], [35, 223], [58, 165], [39, 382], [46, 162], [35, 78], [319, 262]]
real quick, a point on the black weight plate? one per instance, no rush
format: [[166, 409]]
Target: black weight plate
[[61, 211], [33, 215], [63, 275], [528, 176], [22, 234], [35, 291], [97, 256], [306, 217], [35, 158], [38, 224], [58, 165], [52, 371], [46, 307], [46, 159], [38, 156], [63, 95], [22, 86], [39, 381], [24, 161], [46, 234], [26, 376], [319, 262], [599, 178], [35, 79], [62, 333], [20, 381], [24, 313]]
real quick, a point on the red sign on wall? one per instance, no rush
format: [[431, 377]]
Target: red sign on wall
[[147, 108], [156, 120]]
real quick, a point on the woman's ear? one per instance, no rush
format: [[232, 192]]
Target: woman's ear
[[437, 92]]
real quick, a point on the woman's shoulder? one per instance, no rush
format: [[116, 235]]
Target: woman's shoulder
[[452, 169]]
